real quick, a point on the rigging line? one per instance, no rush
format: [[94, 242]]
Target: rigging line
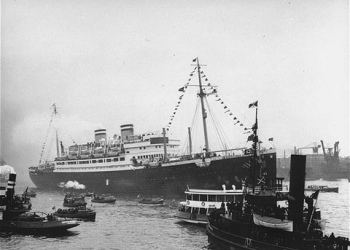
[[220, 128], [195, 129], [47, 134], [194, 125], [220, 131], [48, 154], [196, 113]]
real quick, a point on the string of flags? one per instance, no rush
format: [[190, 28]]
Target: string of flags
[[228, 111], [252, 137], [182, 89], [209, 89]]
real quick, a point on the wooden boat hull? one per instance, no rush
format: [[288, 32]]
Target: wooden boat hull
[[265, 221]]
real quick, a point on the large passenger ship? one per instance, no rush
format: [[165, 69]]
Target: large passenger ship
[[148, 163]]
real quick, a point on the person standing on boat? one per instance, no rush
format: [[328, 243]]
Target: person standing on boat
[[310, 206], [223, 208]]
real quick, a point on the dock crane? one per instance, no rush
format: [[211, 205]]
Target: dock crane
[[312, 146], [332, 154]]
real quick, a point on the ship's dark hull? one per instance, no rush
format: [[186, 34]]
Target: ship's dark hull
[[170, 180], [225, 240]]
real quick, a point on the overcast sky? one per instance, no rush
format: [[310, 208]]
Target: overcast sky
[[106, 63]]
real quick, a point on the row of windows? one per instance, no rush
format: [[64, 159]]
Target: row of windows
[[153, 156], [91, 161], [169, 146], [214, 198], [90, 168]]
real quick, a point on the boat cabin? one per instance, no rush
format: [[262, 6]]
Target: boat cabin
[[200, 203]]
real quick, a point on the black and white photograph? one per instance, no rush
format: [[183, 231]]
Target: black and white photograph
[[158, 124]]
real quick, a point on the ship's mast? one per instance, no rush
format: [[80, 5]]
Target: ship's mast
[[255, 142], [57, 142], [189, 141], [164, 142], [57, 145], [204, 114], [54, 114]]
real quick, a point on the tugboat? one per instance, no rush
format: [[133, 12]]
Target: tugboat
[[74, 200], [262, 223], [15, 215]]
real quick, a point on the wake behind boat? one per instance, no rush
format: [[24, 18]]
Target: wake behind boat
[[150, 163]]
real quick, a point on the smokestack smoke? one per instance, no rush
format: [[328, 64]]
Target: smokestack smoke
[[74, 184]]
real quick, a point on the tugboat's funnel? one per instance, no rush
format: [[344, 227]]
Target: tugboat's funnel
[[296, 190]]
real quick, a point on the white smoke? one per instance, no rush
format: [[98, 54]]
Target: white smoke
[[6, 170], [74, 184]]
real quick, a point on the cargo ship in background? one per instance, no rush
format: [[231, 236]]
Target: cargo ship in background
[[150, 163], [321, 162]]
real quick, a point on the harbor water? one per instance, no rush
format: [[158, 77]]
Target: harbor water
[[130, 225]]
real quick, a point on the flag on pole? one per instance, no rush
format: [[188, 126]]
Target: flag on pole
[[315, 195], [253, 104], [194, 60], [250, 138]]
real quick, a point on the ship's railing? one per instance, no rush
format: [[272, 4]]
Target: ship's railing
[[98, 168]]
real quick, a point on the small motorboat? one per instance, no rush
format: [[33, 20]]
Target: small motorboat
[[36, 222], [322, 188], [155, 201], [104, 198], [74, 200], [81, 212], [89, 194], [29, 193], [277, 223]]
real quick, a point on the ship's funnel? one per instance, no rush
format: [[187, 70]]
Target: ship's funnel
[[126, 130], [100, 134], [11, 187], [296, 190], [7, 182]]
